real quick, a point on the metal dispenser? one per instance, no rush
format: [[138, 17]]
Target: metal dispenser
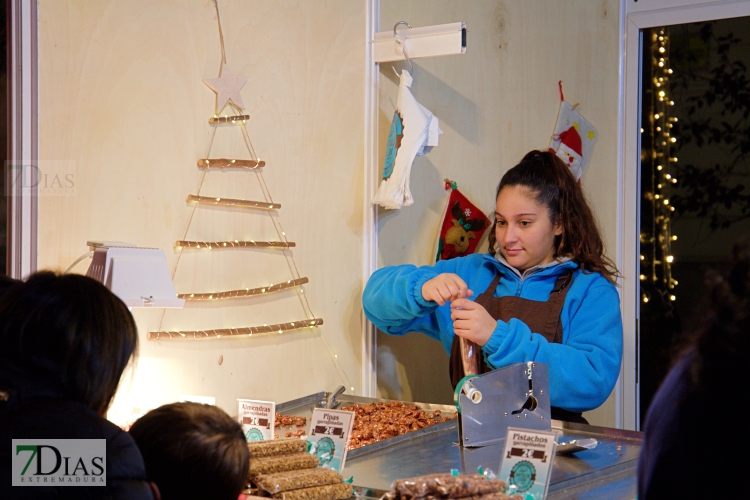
[[514, 396]]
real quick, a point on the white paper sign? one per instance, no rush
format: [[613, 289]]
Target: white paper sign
[[329, 432], [256, 418], [527, 461]]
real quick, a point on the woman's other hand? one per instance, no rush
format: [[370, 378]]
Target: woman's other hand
[[472, 321], [445, 288]]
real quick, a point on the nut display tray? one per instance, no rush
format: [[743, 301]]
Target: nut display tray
[[304, 406]]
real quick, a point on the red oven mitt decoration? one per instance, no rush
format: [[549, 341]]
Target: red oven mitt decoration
[[462, 228]]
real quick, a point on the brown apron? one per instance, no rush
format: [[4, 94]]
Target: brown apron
[[540, 317]]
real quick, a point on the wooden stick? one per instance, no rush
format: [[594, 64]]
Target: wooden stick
[[232, 202], [245, 292], [229, 163], [235, 332], [227, 119], [234, 244]]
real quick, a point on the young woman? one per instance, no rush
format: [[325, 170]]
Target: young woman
[[545, 292]]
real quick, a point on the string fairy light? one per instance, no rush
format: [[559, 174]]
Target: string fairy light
[[656, 240], [230, 163], [233, 202], [228, 119], [248, 331], [211, 245], [243, 292]]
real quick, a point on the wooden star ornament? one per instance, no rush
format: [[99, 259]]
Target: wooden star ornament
[[227, 88]]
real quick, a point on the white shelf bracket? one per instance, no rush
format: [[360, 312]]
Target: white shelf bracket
[[428, 41]]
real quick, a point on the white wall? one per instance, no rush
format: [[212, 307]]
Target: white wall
[[121, 95], [495, 103]]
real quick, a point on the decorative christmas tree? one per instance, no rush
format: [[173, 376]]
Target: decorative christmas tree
[[227, 88]]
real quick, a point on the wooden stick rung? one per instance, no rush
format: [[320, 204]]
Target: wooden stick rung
[[220, 245], [244, 292], [235, 332], [229, 163], [233, 202], [228, 119]]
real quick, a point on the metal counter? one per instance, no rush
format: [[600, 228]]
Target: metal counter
[[607, 471]]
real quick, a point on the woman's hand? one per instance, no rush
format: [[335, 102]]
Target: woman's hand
[[444, 288], [472, 321]]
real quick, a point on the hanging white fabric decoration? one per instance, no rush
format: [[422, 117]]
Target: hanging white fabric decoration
[[414, 132]]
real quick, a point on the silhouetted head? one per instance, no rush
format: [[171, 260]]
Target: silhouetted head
[[68, 332], [193, 451]]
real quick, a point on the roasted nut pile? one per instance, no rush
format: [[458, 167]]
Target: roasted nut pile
[[378, 421], [468, 487], [289, 426]]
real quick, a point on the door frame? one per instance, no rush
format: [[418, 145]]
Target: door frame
[[23, 137], [639, 16]]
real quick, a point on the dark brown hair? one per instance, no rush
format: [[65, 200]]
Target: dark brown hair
[[554, 186], [68, 332], [193, 451]]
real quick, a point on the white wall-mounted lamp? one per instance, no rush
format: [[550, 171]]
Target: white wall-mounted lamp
[[138, 276]]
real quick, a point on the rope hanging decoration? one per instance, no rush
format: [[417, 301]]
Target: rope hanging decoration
[[244, 292], [227, 88], [235, 332], [229, 163], [228, 119], [210, 245], [233, 202]]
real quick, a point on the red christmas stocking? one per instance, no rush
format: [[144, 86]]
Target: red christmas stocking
[[462, 228]]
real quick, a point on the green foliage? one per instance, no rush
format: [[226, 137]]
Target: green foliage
[[711, 86]]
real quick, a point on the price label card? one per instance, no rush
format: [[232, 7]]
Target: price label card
[[527, 461], [329, 433], [256, 418]]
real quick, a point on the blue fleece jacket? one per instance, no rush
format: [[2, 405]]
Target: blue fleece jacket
[[583, 369]]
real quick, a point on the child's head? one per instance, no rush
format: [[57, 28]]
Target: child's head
[[69, 334], [193, 450], [541, 213]]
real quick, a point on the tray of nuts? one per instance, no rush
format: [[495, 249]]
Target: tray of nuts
[[377, 422]]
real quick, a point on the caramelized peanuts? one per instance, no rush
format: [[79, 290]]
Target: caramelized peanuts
[[377, 421]]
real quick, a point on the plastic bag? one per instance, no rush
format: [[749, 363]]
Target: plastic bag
[[276, 447], [339, 491], [296, 479], [446, 486], [470, 353], [281, 463]]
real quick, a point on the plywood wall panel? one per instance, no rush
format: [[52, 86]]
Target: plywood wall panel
[[121, 94]]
